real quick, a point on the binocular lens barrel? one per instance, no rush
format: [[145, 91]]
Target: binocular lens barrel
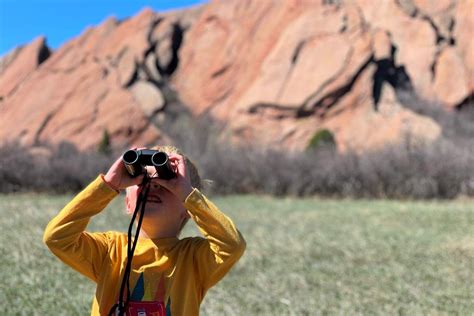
[[130, 157], [159, 159], [136, 160], [131, 161], [162, 165]]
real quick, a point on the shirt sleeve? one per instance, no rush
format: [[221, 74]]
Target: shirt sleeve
[[223, 244], [66, 237]]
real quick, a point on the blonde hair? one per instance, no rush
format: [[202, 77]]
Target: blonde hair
[[190, 167]]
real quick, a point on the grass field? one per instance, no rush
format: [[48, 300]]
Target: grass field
[[303, 257]]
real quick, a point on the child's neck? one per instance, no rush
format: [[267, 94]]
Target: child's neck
[[157, 235]]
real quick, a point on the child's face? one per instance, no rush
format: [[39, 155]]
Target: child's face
[[164, 212]]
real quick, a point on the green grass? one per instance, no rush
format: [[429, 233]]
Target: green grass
[[303, 257]]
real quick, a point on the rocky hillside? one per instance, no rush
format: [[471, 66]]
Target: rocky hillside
[[271, 71]]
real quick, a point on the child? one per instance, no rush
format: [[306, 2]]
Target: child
[[169, 276]]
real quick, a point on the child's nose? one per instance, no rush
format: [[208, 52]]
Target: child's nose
[[151, 171]]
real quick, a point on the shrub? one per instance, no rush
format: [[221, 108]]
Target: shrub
[[322, 138], [416, 171], [54, 169], [104, 145]]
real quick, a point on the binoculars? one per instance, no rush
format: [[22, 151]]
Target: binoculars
[[135, 162]]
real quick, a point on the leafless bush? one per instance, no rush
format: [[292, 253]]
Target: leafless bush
[[411, 169], [435, 170], [441, 169], [55, 169]]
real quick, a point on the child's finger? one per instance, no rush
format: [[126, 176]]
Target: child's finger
[[179, 160], [139, 180], [137, 148]]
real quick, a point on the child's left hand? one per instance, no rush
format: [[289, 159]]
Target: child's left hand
[[181, 184]]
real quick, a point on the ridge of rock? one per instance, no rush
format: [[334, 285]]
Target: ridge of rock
[[274, 71]]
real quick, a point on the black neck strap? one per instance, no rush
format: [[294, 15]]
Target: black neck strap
[[121, 306]]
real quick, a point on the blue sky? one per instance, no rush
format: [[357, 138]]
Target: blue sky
[[60, 20]]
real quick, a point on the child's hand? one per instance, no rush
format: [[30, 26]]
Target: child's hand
[[181, 184], [118, 177]]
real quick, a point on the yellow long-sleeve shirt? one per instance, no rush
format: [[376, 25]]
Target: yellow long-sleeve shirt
[[169, 276]]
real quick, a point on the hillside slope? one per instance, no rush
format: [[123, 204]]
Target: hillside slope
[[271, 71]]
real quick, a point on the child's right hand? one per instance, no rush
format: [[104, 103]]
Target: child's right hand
[[118, 177]]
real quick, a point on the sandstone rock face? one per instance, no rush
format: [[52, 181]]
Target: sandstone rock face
[[18, 65], [361, 128], [382, 45], [275, 72], [302, 69], [451, 80], [148, 97], [464, 34], [89, 85]]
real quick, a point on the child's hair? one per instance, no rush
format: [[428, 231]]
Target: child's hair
[[190, 167]]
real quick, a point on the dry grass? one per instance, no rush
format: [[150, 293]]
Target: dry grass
[[304, 257]]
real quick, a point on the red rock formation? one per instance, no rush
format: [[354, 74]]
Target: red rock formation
[[89, 85], [21, 63], [464, 34], [274, 71]]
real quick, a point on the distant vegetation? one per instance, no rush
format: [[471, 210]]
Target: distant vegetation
[[104, 145], [54, 169], [408, 170], [322, 138]]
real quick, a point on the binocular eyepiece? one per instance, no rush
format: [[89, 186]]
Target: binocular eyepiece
[[135, 162]]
